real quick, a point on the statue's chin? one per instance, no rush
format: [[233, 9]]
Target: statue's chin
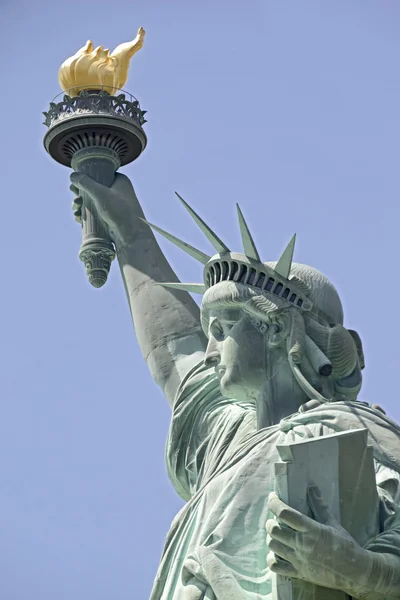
[[232, 389], [226, 387]]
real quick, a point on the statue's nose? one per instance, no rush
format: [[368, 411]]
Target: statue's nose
[[212, 359]]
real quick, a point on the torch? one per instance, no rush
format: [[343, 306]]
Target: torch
[[95, 128]]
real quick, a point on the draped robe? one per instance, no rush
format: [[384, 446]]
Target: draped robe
[[223, 467]]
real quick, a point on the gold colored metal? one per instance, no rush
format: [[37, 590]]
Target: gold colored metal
[[94, 68]]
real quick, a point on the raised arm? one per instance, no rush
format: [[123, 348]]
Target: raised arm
[[166, 321]]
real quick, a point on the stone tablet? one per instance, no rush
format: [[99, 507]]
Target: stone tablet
[[342, 466]]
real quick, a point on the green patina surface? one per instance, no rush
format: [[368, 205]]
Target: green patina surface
[[266, 362]]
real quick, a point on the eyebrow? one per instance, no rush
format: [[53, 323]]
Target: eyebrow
[[230, 316]]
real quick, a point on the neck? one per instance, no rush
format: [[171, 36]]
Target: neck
[[280, 396]]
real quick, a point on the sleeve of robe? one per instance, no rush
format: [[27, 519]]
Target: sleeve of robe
[[205, 429], [388, 484]]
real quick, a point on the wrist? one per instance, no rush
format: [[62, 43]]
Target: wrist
[[133, 235], [381, 577], [122, 241], [357, 579], [124, 235]]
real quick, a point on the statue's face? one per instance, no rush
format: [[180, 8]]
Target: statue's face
[[238, 352]]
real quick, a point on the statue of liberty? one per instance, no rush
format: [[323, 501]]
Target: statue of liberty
[[265, 360]]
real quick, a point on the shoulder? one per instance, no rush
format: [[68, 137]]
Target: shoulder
[[384, 432], [372, 413]]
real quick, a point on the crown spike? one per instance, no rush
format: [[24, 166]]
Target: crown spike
[[197, 254], [218, 244], [284, 264], [193, 288], [249, 246]]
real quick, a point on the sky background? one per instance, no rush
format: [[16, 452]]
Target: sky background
[[290, 108]]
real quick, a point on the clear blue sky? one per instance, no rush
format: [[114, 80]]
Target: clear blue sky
[[289, 108]]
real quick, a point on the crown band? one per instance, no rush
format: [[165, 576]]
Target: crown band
[[241, 268], [258, 275]]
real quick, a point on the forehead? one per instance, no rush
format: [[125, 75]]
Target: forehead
[[225, 314]]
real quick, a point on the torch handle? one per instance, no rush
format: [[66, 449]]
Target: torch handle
[[97, 251]]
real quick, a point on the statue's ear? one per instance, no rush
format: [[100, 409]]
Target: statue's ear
[[359, 347], [279, 330]]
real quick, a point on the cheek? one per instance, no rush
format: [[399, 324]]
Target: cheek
[[245, 358], [252, 349]]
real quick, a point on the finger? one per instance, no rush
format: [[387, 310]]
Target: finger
[[282, 567], [77, 203], [281, 550], [282, 534], [86, 184], [77, 209], [288, 516], [319, 509], [74, 189]]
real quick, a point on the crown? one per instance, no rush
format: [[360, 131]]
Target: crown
[[247, 268]]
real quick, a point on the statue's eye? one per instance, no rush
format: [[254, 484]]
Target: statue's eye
[[218, 333], [226, 328], [221, 329]]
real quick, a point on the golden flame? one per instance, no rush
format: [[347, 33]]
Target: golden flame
[[92, 68]]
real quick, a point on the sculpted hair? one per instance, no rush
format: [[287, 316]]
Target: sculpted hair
[[330, 349]]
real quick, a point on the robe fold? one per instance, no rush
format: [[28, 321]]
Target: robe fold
[[223, 467]]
